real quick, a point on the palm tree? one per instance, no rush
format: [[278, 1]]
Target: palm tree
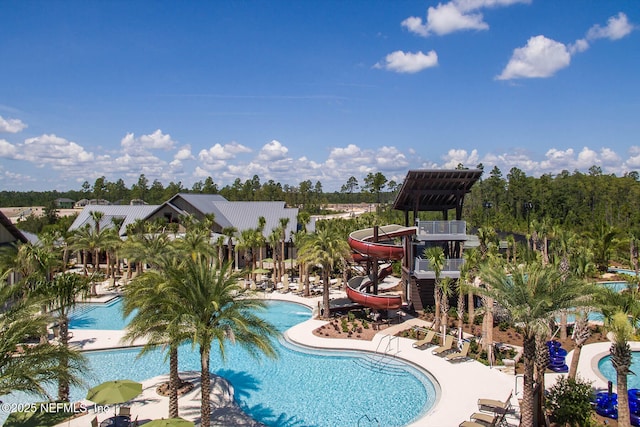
[[149, 296], [298, 239], [602, 238], [283, 236], [468, 274], [581, 333], [435, 255], [62, 293], [29, 368], [196, 242], [532, 295], [326, 247], [249, 240], [620, 351], [446, 290], [230, 232], [211, 312], [274, 241]]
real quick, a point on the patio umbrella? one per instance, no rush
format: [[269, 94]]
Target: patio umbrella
[[170, 422], [261, 271], [113, 392]]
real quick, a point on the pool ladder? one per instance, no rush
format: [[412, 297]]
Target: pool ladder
[[369, 420], [390, 339]]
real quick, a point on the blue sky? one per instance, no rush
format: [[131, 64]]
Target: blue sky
[[318, 90]]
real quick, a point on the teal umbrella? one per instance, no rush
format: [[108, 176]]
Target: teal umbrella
[[170, 422], [113, 392]]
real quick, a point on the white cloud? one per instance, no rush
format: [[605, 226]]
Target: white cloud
[[220, 152], [609, 157], [408, 62], [154, 141], [390, 158], [184, 153], [579, 46], [414, 25], [349, 151], [11, 125], [454, 157], [273, 151], [457, 15], [541, 57], [617, 27], [633, 160], [157, 140], [448, 18], [51, 149], [7, 150]]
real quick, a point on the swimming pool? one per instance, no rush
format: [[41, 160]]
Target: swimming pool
[[106, 316], [607, 370], [301, 388]]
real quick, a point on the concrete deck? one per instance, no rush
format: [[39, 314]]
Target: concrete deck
[[460, 384]]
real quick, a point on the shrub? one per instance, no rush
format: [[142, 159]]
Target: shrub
[[365, 324], [569, 401], [345, 325], [503, 326]]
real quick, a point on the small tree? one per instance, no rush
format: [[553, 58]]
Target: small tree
[[569, 401]]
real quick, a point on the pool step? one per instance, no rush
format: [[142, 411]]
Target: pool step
[[81, 310], [383, 365]]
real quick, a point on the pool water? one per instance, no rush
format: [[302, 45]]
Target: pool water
[[615, 286], [608, 371], [596, 316], [98, 316], [300, 388]]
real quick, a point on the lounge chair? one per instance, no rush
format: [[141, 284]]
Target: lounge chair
[[496, 406], [487, 419], [459, 355], [448, 344], [94, 422], [125, 411], [425, 342], [470, 424]]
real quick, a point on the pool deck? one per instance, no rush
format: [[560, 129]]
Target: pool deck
[[460, 384]]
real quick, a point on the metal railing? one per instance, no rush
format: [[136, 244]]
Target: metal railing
[[442, 227], [452, 264]]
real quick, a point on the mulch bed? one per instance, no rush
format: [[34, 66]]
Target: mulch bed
[[185, 387]]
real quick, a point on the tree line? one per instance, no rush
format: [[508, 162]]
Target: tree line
[[306, 194]]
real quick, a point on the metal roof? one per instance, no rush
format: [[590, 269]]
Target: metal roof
[[435, 189], [240, 215], [130, 213], [12, 229], [244, 215]]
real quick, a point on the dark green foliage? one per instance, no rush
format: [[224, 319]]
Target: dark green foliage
[[345, 325], [569, 401]]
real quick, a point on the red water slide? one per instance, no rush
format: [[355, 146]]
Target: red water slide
[[379, 246]]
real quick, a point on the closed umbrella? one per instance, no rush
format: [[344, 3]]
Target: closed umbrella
[[170, 422]]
